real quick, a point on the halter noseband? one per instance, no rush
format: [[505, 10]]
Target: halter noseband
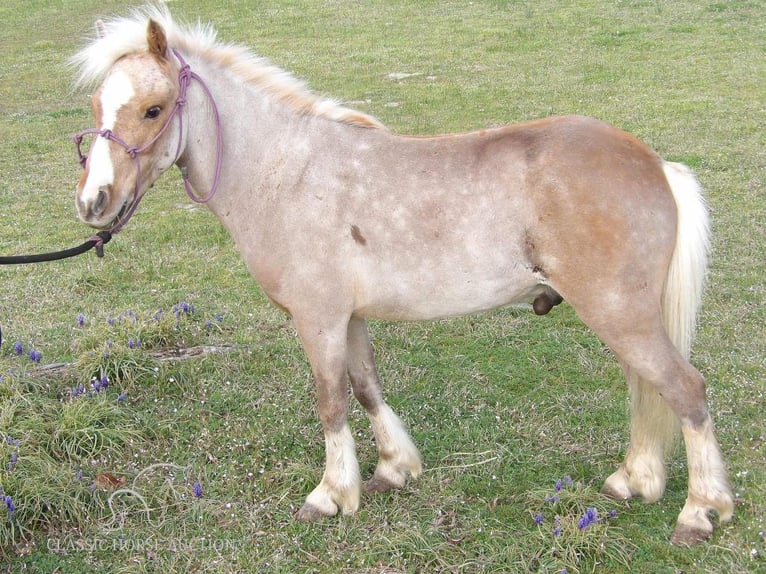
[[185, 76]]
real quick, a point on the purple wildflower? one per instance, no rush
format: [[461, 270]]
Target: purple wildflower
[[559, 485], [35, 356], [80, 320], [110, 321], [557, 532], [130, 343], [14, 458], [18, 348], [197, 488], [612, 513], [568, 480], [590, 517], [104, 381], [78, 476], [539, 518], [121, 397], [10, 506], [183, 307]]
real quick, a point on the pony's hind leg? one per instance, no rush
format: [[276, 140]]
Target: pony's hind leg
[[341, 484], [398, 456], [653, 435], [683, 388], [649, 356], [708, 486]]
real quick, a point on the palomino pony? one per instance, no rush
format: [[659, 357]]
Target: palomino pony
[[340, 220]]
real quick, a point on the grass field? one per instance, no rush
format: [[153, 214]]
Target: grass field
[[197, 465]]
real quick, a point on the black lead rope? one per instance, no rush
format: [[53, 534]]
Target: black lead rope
[[98, 241]]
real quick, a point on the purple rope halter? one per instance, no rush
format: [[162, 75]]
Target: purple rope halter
[[185, 76]]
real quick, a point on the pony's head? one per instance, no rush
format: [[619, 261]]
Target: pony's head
[[136, 138]]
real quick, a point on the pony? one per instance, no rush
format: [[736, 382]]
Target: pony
[[340, 220]]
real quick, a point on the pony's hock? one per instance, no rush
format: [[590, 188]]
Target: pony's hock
[[341, 220]]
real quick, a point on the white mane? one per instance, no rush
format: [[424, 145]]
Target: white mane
[[121, 36]]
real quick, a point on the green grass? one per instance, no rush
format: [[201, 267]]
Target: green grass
[[501, 405]]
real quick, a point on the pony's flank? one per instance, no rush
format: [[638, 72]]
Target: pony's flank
[[122, 36]]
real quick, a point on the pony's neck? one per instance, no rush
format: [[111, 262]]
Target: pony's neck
[[268, 137], [241, 107]]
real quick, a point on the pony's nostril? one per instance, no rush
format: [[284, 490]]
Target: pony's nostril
[[102, 199]]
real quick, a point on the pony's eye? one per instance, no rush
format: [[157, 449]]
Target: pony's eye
[[152, 112]]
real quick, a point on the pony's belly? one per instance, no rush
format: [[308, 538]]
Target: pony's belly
[[410, 301]]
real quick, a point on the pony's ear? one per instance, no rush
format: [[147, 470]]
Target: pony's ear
[[158, 42], [100, 29]]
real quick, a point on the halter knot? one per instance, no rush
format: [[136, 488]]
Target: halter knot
[[185, 73], [99, 240]]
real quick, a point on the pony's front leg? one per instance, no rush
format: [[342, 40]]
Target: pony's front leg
[[398, 456], [341, 485]]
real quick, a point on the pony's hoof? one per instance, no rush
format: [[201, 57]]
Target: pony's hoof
[[685, 535], [379, 484], [310, 513], [614, 493]]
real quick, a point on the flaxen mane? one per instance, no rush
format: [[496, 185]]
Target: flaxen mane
[[119, 37]]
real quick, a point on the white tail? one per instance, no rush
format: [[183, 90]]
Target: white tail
[[688, 268]]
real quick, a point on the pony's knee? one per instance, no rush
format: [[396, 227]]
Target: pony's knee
[[367, 392]]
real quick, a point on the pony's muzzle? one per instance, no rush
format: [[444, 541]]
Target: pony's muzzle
[[92, 208]]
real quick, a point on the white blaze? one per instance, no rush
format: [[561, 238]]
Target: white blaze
[[116, 92]]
